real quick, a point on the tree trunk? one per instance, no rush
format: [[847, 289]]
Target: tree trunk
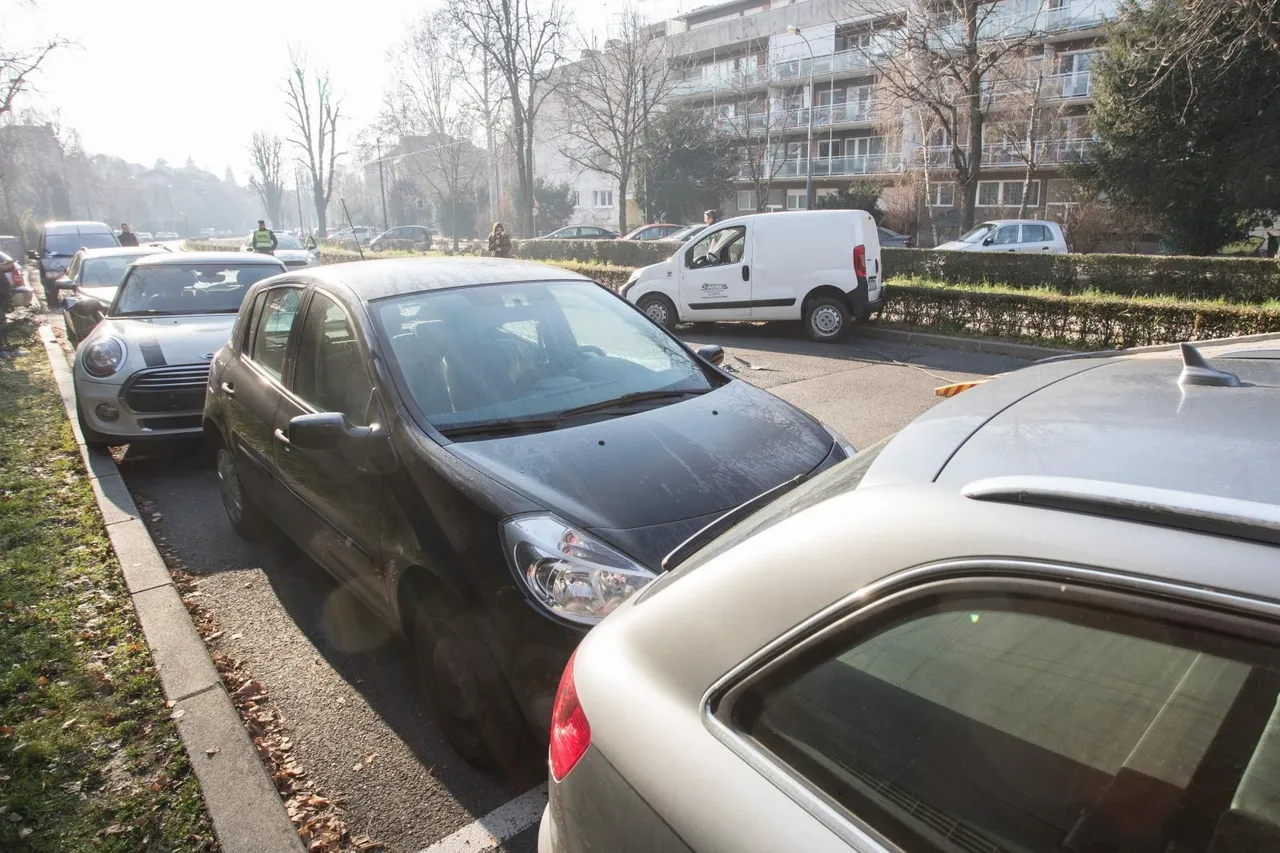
[[623, 180], [973, 94], [531, 227], [322, 212]]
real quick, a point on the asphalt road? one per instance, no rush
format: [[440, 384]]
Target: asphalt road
[[340, 679]]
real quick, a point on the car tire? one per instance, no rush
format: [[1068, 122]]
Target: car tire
[[466, 690], [245, 517], [826, 319], [92, 439], [659, 309]]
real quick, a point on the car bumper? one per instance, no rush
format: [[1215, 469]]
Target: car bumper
[[129, 425], [861, 305]]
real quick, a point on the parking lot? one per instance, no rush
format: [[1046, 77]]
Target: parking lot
[[339, 678]]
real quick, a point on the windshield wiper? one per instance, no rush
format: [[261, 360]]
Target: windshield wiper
[[685, 549], [633, 397]]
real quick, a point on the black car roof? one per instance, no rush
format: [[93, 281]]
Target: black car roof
[[112, 251], [378, 279]]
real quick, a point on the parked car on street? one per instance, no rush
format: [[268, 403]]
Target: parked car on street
[[493, 454], [143, 236], [291, 250], [821, 267], [140, 373], [892, 239], [21, 294], [361, 234], [95, 274], [581, 232], [656, 231], [1054, 625], [686, 232], [408, 238], [1011, 235], [13, 284], [59, 241]]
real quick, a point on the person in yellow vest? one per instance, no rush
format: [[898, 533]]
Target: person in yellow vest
[[264, 239]]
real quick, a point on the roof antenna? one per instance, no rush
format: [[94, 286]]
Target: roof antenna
[[1196, 370]]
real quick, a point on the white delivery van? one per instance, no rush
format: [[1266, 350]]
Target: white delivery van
[[818, 266]]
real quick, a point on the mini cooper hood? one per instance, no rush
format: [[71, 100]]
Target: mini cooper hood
[[160, 341], [687, 460]]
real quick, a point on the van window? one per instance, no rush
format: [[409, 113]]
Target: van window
[[726, 246]]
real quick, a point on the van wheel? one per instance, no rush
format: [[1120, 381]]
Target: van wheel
[[245, 517], [466, 690], [659, 309], [826, 319]]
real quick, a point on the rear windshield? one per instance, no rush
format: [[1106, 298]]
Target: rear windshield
[[106, 272], [168, 289], [68, 244]]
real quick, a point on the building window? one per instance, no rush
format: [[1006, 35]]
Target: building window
[[942, 195], [577, 199], [1007, 194], [747, 200], [938, 138], [602, 198], [795, 200]]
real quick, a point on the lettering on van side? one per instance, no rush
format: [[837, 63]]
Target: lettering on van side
[[714, 291]]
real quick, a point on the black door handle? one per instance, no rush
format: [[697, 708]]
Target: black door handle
[[228, 389], [746, 273]]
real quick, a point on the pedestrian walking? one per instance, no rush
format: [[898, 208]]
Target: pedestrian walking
[[264, 239], [711, 217], [127, 237], [499, 242]]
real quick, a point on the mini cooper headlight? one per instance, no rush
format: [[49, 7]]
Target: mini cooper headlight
[[103, 357]]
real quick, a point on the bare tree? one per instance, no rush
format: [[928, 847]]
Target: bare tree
[[268, 178], [1026, 125], [754, 124], [425, 102], [607, 98], [941, 55], [314, 113], [522, 44], [18, 66]]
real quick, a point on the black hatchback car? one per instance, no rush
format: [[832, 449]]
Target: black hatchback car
[[494, 454]]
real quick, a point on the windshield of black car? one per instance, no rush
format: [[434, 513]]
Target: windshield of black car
[[503, 352], [976, 235], [106, 271], [70, 243], [187, 288]]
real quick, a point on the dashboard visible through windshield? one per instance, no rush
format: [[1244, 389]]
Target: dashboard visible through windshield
[[513, 355]]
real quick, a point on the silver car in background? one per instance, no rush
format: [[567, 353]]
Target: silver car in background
[[1043, 617]]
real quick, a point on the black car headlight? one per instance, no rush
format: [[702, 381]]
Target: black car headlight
[[569, 572]]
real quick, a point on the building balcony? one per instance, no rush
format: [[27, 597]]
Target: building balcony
[[1051, 18], [797, 70], [1055, 152], [779, 121], [826, 167], [1069, 86], [737, 81]]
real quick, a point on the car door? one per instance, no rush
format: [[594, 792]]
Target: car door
[[715, 279], [335, 503], [1036, 238], [1022, 714], [1004, 240], [252, 383]]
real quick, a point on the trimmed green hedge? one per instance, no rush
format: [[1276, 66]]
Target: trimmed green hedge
[[1082, 321], [1240, 280], [624, 253]]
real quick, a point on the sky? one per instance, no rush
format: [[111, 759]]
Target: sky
[[148, 81]]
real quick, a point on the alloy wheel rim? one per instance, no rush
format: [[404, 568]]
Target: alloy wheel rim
[[229, 486], [826, 320]]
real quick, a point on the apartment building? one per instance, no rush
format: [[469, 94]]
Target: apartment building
[[765, 70]]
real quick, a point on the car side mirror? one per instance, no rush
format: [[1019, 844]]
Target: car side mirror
[[711, 353], [988, 241], [324, 431], [88, 309], [65, 283]]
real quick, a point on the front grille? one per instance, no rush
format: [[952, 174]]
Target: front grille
[[167, 389], [172, 422], [295, 264]]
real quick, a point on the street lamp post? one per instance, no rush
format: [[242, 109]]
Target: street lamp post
[[808, 156]]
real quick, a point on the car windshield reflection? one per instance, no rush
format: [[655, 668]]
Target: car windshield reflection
[[187, 288], [511, 354]]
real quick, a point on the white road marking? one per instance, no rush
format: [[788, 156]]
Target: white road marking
[[504, 822]]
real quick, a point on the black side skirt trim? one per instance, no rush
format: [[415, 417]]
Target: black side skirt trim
[[759, 303]]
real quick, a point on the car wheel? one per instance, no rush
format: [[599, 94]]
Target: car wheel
[[466, 690], [659, 309], [92, 439], [245, 517], [826, 319]]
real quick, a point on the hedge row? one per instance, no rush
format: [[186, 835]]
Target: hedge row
[[1079, 321], [623, 253], [1240, 280]]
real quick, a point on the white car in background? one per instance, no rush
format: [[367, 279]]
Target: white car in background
[[140, 373], [1024, 236]]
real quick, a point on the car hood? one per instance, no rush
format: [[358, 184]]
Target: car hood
[[957, 246], [292, 254], [662, 269], [158, 341], [677, 463]]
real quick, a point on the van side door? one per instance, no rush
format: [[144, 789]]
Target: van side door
[[715, 275]]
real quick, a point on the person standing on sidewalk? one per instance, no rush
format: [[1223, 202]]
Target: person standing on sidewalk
[[499, 242], [264, 239], [127, 237], [711, 217]]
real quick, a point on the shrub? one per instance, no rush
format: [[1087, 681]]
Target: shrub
[[1085, 321], [628, 253], [1239, 280]]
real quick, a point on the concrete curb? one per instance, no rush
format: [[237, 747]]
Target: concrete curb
[[248, 815], [980, 345]]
